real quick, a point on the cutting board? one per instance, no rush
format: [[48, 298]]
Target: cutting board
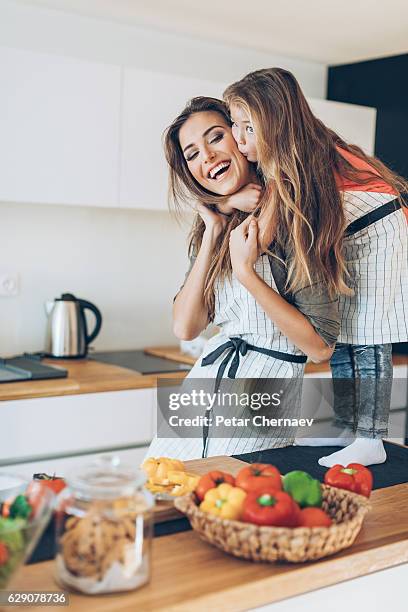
[[170, 352], [165, 510]]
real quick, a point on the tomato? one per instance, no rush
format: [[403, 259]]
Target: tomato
[[4, 553], [270, 506], [55, 483], [258, 476], [37, 485], [5, 508], [314, 517], [212, 480]]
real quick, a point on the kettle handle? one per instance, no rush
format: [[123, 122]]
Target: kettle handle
[[98, 324]]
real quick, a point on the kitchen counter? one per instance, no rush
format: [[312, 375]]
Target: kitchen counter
[[84, 376], [190, 574], [88, 376]]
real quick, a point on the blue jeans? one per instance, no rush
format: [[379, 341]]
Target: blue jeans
[[362, 404]]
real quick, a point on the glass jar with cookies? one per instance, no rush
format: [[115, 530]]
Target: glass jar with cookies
[[104, 529]]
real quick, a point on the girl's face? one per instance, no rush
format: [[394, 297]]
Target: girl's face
[[243, 132], [212, 155]]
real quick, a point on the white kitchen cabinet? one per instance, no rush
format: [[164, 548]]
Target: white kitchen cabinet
[[86, 133], [59, 129], [150, 103], [36, 428]]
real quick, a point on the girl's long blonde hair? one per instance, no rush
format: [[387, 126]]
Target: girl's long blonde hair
[[299, 159]]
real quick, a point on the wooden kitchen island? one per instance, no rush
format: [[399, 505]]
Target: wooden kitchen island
[[189, 574]]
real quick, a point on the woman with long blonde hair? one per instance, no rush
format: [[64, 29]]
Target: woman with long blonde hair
[[267, 331], [340, 213]]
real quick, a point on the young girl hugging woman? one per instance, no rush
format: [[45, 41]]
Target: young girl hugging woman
[[343, 215], [239, 281]]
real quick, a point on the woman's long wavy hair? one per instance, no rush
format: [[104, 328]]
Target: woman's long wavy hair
[[185, 190], [299, 159]]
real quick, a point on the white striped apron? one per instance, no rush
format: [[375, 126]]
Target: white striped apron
[[239, 316], [377, 260]]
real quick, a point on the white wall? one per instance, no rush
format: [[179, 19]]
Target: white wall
[[128, 262]]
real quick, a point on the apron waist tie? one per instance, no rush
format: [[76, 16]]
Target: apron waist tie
[[235, 347]]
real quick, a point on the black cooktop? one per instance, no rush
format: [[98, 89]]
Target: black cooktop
[[141, 362], [28, 367]]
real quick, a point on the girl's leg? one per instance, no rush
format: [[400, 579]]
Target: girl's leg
[[363, 404], [342, 367]]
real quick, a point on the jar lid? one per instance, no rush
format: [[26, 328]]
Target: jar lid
[[106, 478]]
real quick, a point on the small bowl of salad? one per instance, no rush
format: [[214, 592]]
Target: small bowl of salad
[[25, 509]]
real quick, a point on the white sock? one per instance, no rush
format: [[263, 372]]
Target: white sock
[[367, 451], [343, 439]]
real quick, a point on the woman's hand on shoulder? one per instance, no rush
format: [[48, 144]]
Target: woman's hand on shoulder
[[246, 199], [243, 246]]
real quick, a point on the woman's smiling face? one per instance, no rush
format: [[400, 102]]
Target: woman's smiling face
[[212, 155]]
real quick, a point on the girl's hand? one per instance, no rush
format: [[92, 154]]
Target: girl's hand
[[246, 199], [243, 246], [214, 222]]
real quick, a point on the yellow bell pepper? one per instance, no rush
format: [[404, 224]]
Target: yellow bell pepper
[[224, 501]]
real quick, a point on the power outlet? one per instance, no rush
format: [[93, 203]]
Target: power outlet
[[9, 284]]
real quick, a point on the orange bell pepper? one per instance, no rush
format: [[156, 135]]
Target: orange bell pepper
[[211, 481]]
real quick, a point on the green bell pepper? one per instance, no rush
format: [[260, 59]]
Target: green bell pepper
[[304, 489]]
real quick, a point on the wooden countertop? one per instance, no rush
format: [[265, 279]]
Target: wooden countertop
[[84, 376], [189, 574], [87, 376]]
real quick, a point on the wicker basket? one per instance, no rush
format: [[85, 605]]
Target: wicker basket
[[248, 541]]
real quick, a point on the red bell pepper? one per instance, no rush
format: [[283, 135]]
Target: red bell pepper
[[355, 477], [257, 476], [211, 481], [270, 507]]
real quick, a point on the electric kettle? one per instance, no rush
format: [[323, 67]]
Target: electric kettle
[[67, 334]]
